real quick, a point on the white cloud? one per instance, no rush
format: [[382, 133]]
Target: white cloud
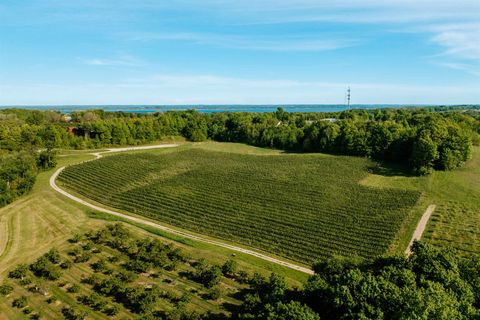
[[371, 11], [213, 89], [469, 68], [271, 43], [124, 61], [460, 40]]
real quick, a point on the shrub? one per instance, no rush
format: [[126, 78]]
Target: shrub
[[213, 294], [19, 272], [25, 281], [207, 275], [71, 314], [5, 289], [53, 256], [99, 266], [243, 277], [229, 268], [88, 246], [44, 268], [74, 288], [35, 316], [112, 310], [20, 302], [75, 238], [51, 299], [84, 257]]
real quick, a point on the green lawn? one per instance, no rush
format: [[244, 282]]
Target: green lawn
[[456, 220], [300, 206]]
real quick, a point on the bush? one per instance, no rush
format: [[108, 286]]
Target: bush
[[53, 256], [19, 272], [5, 289], [44, 268], [229, 268], [25, 281], [84, 257], [46, 159], [88, 246], [112, 310], [75, 238], [213, 294], [74, 288], [92, 279], [71, 314], [51, 299], [20, 302], [243, 277], [95, 301], [99, 266], [207, 275], [35, 316]]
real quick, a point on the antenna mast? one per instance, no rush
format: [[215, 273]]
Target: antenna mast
[[348, 97]]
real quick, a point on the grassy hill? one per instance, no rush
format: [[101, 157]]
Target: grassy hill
[[43, 219], [300, 206], [456, 194]]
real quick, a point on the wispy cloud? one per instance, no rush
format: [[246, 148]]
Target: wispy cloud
[[371, 11], [124, 61], [272, 43], [469, 68], [215, 89], [460, 40], [453, 26]]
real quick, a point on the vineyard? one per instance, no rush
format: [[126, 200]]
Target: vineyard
[[298, 206], [455, 224]]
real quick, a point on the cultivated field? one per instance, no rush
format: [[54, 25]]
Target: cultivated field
[[298, 206], [456, 194], [44, 218]]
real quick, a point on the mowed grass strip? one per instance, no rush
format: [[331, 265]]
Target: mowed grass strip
[[302, 207]]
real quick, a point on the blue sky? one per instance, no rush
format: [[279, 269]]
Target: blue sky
[[56, 52]]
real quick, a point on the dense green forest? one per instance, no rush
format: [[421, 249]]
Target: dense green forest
[[429, 284], [422, 139], [18, 170]]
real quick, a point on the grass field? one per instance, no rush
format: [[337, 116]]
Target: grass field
[[455, 222], [298, 206], [34, 223]]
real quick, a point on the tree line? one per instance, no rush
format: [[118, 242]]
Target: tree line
[[422, 139], [429, 284]]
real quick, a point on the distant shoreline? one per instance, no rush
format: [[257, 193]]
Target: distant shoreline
[[226, 108]]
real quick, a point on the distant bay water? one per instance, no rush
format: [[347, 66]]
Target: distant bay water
[[213, 108]]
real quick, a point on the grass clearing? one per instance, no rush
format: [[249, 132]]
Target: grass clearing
[[456, 194], [293, 205]]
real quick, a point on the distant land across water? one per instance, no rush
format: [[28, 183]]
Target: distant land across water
[[216, 108]]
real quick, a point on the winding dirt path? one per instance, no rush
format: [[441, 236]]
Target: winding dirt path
[[422, 224], [98, 155]]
